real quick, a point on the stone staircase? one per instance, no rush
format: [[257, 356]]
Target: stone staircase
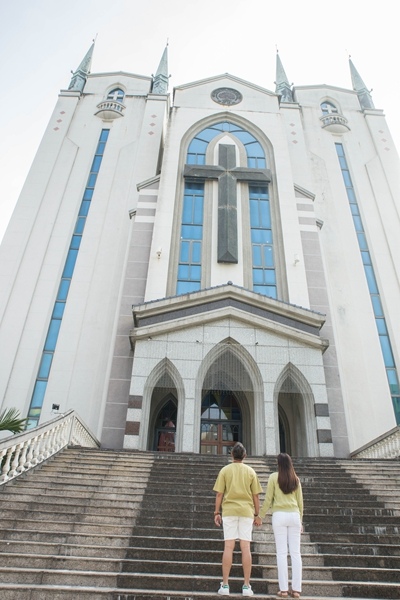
[[94, 524]]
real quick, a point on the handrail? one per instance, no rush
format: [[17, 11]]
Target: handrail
[[20, 453], [385, 446]]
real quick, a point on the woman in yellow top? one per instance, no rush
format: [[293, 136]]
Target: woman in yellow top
[[284, 498]]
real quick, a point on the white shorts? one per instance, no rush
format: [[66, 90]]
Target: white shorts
[[238, 528]]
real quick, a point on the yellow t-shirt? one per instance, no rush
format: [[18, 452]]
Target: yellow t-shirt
[[239, 483], [276, 500]]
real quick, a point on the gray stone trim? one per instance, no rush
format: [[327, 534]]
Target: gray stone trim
[[307, 220], [319, 300], [321, 410], [324, 436], [306, 207], [301, 192], [147, 198], [132, 428], [135, 401], [222, 303], [145, 212]]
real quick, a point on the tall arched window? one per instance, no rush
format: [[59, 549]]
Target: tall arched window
[[197, 173]]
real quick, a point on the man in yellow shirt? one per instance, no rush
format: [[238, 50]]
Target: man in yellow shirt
[[238, 490]]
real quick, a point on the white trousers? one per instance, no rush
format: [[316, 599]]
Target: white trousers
[[287, 532]]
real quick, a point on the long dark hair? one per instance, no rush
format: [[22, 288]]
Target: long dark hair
[[287, 478]]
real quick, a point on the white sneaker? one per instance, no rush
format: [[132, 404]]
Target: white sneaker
[[247, 591], [223, 590]]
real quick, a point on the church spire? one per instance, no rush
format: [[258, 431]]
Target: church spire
[[283, 88], [160, 79], [80, 76], [359, 86]]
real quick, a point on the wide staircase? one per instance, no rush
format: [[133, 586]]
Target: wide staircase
[[104, 525]]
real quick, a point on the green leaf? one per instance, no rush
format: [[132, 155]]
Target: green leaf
[[10, 421]]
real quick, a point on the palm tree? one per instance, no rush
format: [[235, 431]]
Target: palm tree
[[11, 421]]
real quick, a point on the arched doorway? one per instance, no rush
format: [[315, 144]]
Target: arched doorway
[[221, 422], [163, 397], [227, 411], [296, 418], [165, 426]]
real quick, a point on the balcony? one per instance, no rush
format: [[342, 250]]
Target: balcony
[[110, 110], [335, 123]]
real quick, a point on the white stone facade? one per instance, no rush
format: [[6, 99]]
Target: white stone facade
[[308, 366]]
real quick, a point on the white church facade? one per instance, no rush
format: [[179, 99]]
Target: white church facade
[[216, 265]]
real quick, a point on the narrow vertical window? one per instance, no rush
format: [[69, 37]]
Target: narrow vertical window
[[264, 278], [384, 339], [62, 294], [189, 268]]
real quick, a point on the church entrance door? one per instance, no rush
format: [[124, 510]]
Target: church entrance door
[[221, 422], [164, 436]]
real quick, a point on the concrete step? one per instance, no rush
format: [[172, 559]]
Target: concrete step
[[134, 525], [170, 584]]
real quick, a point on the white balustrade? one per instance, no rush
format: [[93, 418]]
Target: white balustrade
[[23, 451], [386, 446]]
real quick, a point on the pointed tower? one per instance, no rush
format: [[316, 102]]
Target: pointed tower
[[79, 77], [160, 80], [283, 88], [359, 86]]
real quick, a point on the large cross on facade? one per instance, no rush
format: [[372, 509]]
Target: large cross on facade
[[227, 174]]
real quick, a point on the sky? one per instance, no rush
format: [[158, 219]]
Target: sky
[[42, 41]]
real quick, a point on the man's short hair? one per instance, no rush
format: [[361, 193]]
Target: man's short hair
[[238, 451]]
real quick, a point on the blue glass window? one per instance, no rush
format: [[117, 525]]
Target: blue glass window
[[189, 268], [386, 350], [384, 339], [328, 108], [80, 225], [198, 146], [38, 395], [357, 223], [76, 242], [369, 272], [63, 290], [52, 335], [92, 180], [393, 382], [84, 209], [58, 310], [377, 306], [62, 294], [264, 277], [100, 148], [366, 257], [44, 369], [381, 325], [70, 263], [362, 241], [117, 95]]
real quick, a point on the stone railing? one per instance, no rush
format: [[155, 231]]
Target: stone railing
[[109, 109], [335, 123], [385, 446], [333, 120], [20, 453]]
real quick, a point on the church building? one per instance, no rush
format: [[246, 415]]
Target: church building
[[214, 264]]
